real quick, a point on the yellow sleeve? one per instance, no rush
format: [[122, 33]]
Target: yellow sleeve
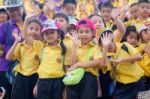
[[97, 52], [17, 52], [132, 50]]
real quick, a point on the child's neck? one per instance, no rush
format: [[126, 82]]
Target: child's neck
[[53, 43], [142, 18]]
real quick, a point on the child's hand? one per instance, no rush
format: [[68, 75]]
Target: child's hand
[[116, 62], [115, 13], [3, 93], [32, 15], [73, 67], [75, 38], [106, 39], [17, 36], [35, 91]]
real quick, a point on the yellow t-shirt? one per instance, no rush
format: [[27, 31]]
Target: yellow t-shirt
[[51, 62], [81, 56], [126, 72], [145, 62], [28, 58]]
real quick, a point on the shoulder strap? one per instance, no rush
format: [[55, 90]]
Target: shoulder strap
[[8, 30], [88, 54], [125, 48]]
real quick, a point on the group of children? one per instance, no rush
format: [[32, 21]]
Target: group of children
[[112, 49]]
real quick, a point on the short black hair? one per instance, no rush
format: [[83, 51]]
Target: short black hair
[[69, 2], [40, 5], [107, 5], [3, 10], [63, 15], [128, 31], [143, 1]]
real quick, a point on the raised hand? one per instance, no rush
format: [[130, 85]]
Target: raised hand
[[115, 13], [106, 39], [16, 35], [75, 38]]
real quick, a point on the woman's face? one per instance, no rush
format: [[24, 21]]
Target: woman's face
[[15, 13]]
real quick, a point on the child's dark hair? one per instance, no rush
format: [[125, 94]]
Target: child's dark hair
[[143, 1], [3, 10], [40, 5], [69, 2], [62, 35], [107, 5], [35, 21], [128, 31], [61, 15], [98, 16]]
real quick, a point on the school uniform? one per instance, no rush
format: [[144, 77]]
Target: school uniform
[[51, 73], [145, 65], [128, 75], [88, 86], [26, 71]]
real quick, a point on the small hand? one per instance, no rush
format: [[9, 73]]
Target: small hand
[[115, 13], [106, 39], [17, 35], [73, 67], [75, 38], [116, 62]]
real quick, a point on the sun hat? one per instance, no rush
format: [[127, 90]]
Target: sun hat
[[50, 24], [13, 3]]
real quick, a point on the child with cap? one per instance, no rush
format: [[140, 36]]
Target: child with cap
[[143, 48], [82, 52]]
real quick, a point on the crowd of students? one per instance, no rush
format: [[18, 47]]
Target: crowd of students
[[38, 47]]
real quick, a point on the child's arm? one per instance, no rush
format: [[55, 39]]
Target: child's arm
[[72, 60], [96, 9], [10, 54], [131, 59], [120, 25]]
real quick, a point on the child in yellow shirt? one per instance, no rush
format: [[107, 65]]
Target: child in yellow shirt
[[28, 59], [123, 68]]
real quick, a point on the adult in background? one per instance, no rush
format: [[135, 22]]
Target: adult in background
[[16, 12]]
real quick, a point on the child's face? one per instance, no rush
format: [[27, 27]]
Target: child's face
[[51, 36], [85, 34], [62, 21], [144, 9], [98, 22], [145, 36], [134, 11], [106, 13], [3, 17], [34, 30], [132, 39], [70, 9]]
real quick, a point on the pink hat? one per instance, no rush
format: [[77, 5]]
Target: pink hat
[[50, 24], [85, 23]]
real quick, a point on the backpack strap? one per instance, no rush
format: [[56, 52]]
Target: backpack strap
[[9, 34], [125, 48]]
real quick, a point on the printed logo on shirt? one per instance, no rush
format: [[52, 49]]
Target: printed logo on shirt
[[58, 60], [91, 58]]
